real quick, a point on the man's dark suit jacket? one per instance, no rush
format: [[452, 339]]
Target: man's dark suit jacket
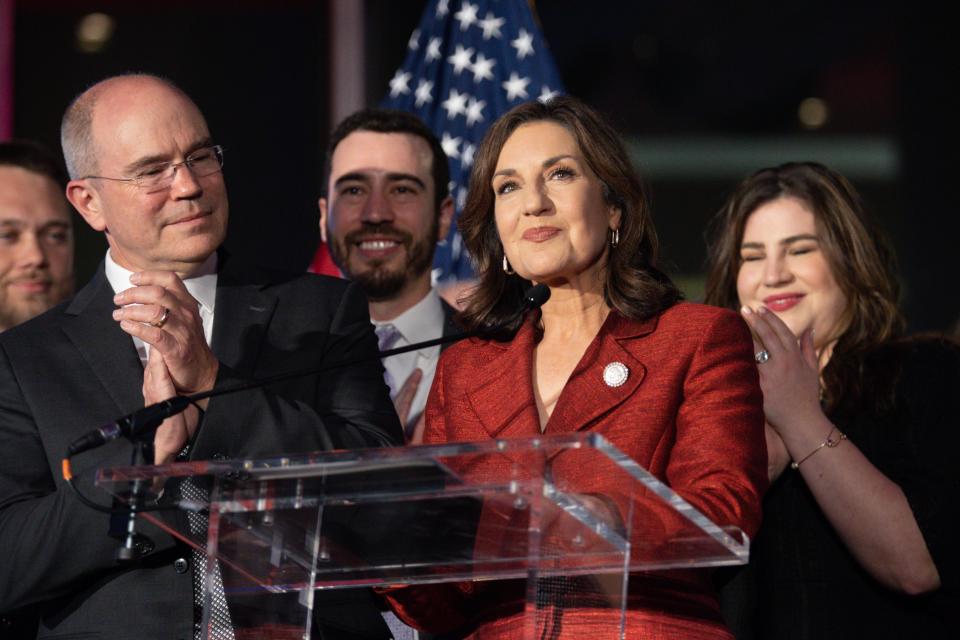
[[73, 369]]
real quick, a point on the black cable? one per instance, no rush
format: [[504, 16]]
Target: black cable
[[71, 482]]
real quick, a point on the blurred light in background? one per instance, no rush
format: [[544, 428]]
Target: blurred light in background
[[94, 32], [813, 113]]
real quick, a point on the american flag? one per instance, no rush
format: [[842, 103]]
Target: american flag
[[468, 63]]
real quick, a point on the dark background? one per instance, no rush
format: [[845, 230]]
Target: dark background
[[704, 92]]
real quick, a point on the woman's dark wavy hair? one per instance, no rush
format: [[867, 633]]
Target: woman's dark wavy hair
[[858, 253], [633, 285]]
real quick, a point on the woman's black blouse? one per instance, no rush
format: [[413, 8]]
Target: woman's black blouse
[[802, 582]]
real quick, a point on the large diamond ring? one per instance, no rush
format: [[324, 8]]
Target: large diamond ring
[[761, 356], [163, 319]]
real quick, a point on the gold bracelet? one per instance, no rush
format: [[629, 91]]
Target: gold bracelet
[[830, 443]]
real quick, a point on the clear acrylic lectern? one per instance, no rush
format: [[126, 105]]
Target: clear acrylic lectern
[[570, 510]]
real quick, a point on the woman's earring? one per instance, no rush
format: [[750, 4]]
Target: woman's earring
[[506, 266], [615, 237]]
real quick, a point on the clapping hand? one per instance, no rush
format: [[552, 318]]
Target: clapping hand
[[159, 310], [404, 401], [789, 373], [175, 432]]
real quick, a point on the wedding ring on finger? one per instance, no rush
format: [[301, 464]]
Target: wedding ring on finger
[[761, 356], [163, 319]]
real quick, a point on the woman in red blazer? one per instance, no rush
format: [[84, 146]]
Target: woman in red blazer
[[553, 200]]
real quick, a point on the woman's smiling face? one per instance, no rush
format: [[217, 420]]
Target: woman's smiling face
[[783, 268], [549, 207]]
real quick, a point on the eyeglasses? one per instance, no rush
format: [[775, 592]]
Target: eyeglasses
[[156, 177]]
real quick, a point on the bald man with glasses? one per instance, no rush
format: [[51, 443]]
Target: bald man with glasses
[[168, 312]]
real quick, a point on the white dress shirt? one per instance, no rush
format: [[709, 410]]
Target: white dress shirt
[[202, 286], [423, 321]]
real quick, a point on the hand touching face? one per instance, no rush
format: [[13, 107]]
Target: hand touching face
[[784, 269]]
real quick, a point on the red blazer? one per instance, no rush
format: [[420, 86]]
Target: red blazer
[[690, 412]]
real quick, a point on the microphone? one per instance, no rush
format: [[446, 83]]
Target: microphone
[[535, 297], [129, 426], [142, 421]]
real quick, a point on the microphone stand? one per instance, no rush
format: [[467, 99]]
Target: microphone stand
[[127, 551], [141, 424]]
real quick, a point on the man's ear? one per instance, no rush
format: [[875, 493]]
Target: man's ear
[[446, 218], [87, 202], [322, 204]]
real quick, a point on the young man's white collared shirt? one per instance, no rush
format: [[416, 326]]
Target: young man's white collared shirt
[[423, 321]]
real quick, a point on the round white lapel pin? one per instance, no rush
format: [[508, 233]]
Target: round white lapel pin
[[615, 374]]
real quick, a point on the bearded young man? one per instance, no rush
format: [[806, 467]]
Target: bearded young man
[[387, 206]]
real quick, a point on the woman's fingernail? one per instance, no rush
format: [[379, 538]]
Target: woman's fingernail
[[762, 310], [745, 310], [117, 314], [135, 278]]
